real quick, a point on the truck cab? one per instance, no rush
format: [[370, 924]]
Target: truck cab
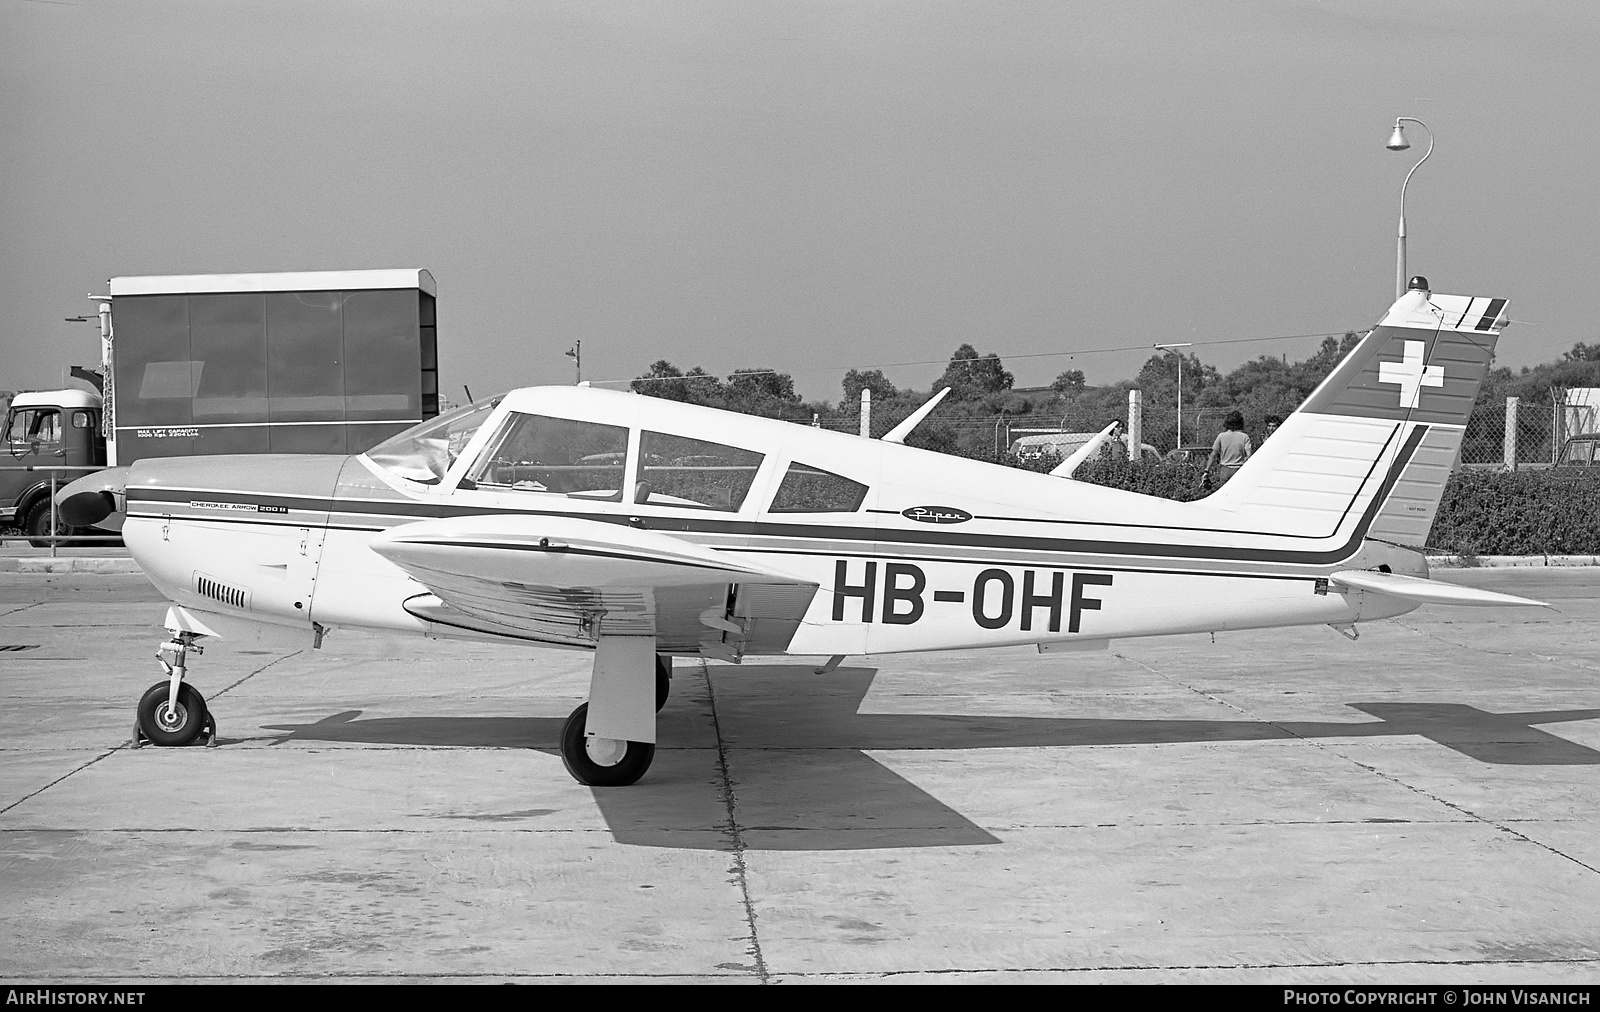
[[50, 428]]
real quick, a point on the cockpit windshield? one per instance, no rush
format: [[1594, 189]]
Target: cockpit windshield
[[424, 452]]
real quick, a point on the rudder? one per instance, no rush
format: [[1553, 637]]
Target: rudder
[[1387, 421]]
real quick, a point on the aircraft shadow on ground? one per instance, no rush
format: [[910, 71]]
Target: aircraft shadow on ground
[[816, 789]]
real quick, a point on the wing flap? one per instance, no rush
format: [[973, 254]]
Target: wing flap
[[1412, 588]]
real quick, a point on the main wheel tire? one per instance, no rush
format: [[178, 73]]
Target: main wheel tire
[[37, 525], [591, 766], [168, 727], [663, 680]]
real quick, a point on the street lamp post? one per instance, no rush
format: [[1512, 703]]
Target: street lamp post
[[576, 354], [1172, 348], [1398, 142]]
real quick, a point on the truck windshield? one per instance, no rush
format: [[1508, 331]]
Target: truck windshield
[[34, 425], [424, 452]]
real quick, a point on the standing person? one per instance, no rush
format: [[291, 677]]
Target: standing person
[[1231, 448], [1271, 422]]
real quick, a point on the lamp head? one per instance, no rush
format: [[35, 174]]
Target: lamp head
[[1397, 140]]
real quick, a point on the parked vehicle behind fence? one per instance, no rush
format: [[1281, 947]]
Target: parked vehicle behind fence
[[46, 429]]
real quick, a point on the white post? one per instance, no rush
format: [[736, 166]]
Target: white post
[[1556, 432], [1511, 434], [866, 412], [1135, 425]]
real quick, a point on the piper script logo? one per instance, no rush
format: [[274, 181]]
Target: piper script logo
[[1411, 374]]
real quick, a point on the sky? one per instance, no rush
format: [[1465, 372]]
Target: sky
[[807, 186]]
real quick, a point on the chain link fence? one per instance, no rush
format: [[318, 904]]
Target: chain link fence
[[1541, 428], [1533, 439]]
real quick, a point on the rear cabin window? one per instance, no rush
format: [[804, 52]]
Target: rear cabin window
[[679, 471], [808, 489], [560, 456]]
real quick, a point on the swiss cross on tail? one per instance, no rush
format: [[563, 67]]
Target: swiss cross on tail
[[1411, 374]]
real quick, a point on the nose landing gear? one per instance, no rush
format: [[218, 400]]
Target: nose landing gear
[[173, 713]]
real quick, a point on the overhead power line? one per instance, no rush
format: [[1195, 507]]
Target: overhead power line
[[945, 361]]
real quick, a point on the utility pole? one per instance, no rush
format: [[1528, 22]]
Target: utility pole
[[576, 354], [1172, 348]]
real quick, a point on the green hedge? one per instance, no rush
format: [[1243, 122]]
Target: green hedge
[[1167, 479], [1544, 512], [1554, 511]]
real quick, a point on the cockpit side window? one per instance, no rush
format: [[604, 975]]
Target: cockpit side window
[[696, 473], [537, 453], [809, 489]]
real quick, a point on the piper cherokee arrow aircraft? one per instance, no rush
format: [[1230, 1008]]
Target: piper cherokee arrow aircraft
[[642, 529]]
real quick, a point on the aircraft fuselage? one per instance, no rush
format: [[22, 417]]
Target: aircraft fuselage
[[982, 555]]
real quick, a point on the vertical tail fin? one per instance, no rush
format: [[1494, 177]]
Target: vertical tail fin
[[1374, 443]]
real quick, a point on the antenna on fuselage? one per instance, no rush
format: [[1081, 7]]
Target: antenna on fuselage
[[899, 433]]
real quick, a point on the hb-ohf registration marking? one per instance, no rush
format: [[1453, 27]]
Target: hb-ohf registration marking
[[997, 599]]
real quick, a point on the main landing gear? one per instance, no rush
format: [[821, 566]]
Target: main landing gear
[[173, 712], [618, 696], [663, 680]]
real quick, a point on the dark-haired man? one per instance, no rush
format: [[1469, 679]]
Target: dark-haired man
[[1231, 448]]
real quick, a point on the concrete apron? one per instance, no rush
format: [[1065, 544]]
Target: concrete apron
[[1280, 806]]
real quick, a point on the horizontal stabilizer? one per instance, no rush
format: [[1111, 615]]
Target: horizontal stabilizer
[[1083, 453], [899, 433], [1411, 588]]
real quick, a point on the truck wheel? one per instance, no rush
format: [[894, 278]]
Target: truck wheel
[[37, 525]]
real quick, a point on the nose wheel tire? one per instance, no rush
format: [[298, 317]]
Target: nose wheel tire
[[602, 762], [172, 726]]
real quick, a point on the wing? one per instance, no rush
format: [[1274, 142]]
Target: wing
[[563, 579]]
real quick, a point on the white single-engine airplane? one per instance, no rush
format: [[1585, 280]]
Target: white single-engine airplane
[[643, 529]]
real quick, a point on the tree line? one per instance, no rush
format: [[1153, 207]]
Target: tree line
[[983, 405]]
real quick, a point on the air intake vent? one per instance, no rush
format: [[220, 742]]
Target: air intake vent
[[215, 589]]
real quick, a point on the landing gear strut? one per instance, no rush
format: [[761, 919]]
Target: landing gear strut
[[610, 740], [173, 712]]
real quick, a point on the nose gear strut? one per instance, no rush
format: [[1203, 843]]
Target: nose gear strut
[[173, 712]]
